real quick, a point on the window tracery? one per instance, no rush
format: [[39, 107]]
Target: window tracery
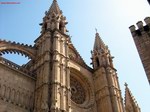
[[78, 94]]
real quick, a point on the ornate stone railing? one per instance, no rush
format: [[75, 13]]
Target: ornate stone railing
[[15, 66]]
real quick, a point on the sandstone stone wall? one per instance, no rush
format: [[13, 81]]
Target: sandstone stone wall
[[16, 90]]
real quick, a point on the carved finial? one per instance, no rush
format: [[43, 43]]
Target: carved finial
[[126, 85], [96, 30], [54, 8], [45, 12]]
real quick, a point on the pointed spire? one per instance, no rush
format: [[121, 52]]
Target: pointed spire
[[99, 44], [55, 8], [130, 103], [54, 19], [101, 56]]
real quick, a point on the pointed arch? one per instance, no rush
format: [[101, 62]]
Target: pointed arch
[[12, 97], [17, 97], [8, 92]]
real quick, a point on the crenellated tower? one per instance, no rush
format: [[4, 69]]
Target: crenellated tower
[[141, 38], [52, 91], [107, 90], [130, 103]]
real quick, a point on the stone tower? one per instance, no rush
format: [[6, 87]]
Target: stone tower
[[107, 90], [141, 38], [56, 79], [51, 65]]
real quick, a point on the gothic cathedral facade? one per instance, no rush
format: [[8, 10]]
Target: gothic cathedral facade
[[56, 79]]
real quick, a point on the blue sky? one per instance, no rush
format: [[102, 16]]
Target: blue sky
[[20, 22]]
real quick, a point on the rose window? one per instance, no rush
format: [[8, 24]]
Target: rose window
[[78, 94]]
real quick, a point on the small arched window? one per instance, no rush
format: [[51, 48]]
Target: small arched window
[[60, 26], [97, 62]]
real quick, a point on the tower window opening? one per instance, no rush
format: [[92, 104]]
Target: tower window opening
[[45, 26], [60, 26], [97, 62]]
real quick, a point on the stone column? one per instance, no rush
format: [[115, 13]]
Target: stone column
[[114, 90], [60, 86], [55, 87]]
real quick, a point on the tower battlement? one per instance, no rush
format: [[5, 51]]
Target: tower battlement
[[141, 37], [140, 27]]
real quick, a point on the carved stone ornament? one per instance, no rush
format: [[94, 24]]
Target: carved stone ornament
[[78, 94]]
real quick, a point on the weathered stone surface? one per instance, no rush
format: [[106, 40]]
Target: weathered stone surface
[[141, 38], [16, 90], [57, 79]]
